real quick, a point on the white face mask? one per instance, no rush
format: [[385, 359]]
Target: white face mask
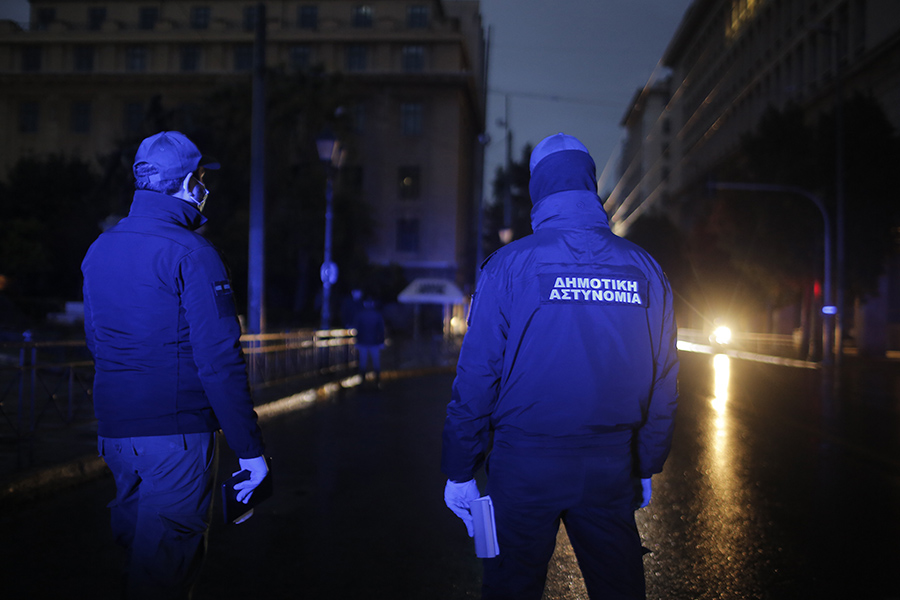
[[193, 190]]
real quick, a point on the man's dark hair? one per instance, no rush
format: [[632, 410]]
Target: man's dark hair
[[142, 180]]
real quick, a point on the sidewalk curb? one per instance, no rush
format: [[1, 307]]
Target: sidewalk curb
[[91, 467]]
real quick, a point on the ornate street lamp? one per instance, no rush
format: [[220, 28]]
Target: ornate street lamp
[[329, 149]]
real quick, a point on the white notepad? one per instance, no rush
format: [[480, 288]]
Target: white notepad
[[485, 528]]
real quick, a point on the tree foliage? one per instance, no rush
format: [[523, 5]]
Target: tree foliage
[[515, 179], [56, 205], [775, 241], [299, 108], [50, 218]]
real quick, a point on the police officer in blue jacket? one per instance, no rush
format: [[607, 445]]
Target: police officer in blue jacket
[[569, 364], [161, 325]]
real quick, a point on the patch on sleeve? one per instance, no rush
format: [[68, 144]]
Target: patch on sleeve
[[562, 288], [224, 299]]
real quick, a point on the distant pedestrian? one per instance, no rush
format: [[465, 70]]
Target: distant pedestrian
[[160, 322], [569, 363], [369, 324], [351, 305]]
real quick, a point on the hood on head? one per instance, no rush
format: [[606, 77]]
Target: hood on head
[[561, 163]]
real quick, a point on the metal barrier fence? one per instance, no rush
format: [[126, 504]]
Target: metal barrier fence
[[278, 358], [49, 384]]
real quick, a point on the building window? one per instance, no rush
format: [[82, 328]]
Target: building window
[[31, 59], [413, 59], [859, 26], [136, 58], [298, 57], [411, 118], [308, 17], [408, 182], [84, 59], [96, 17], [417, 16], [842, 31], [358, 115], [43, 18], [200, 17], [29, 115], [357, 55], [149, 15], [80, 117], [408, 235], [813, 60], [243, 57], [190, 57], [134, 117], [250, 18], [362, 16]]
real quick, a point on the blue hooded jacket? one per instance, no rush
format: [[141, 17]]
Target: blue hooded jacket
[[160, 322], [571, 335]]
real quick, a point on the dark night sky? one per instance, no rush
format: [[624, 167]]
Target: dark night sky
[[571, 66]]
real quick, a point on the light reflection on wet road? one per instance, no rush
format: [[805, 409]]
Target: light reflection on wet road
[[770, 493]]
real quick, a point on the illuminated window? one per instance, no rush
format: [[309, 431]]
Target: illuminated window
[[413, 59], [362, 16]]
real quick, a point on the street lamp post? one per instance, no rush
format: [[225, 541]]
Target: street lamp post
[[256, 279], [829, 311], [329, 153], [838, 39]]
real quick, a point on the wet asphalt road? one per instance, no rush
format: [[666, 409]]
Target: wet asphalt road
[[770, 492]]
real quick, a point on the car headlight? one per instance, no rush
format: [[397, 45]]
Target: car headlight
[[722, 335]]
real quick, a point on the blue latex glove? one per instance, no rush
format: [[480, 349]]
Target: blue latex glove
[[458, 496], [258, 469], [646, 492]]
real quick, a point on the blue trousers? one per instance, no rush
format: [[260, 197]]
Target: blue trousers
[[365, 353], [592, 491], [161, 513]]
